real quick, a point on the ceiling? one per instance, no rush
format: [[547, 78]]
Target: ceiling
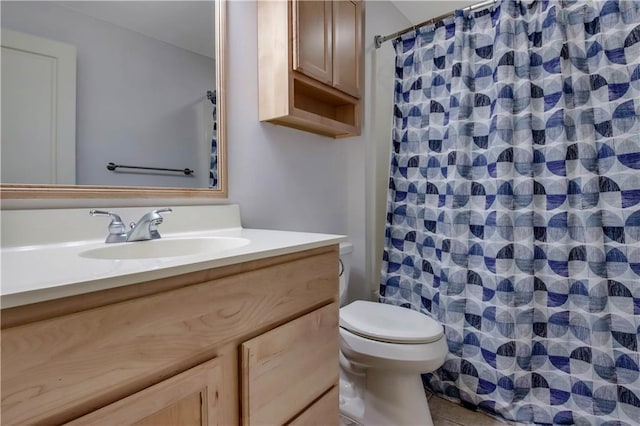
[[186, 24], [417, 11]]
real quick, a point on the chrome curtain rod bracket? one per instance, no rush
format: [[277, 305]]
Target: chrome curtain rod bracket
[[378, 39], [114, 166]]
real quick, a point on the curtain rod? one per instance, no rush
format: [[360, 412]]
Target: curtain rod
[[378, 40]]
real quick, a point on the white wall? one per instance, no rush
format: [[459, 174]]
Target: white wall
[[423, 10], [369, 156], [288, 179], [282, 178]]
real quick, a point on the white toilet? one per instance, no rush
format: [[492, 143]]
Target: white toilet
[[383, 351]]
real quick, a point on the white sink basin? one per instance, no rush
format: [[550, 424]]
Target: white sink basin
[[165, 248]]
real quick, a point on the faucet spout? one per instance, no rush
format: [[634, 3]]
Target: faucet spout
[[146, 228]]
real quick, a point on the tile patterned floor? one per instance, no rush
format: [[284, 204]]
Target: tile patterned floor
[[445, 413]]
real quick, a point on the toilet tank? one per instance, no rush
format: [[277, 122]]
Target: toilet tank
[[346, 250]]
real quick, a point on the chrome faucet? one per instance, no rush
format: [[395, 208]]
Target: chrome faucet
[[145, 229]]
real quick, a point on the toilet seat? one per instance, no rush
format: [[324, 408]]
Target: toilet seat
[[389, 323], [363, 350]]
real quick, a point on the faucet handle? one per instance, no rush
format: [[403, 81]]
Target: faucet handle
[[116, 220], [163, 210], [117, 228]]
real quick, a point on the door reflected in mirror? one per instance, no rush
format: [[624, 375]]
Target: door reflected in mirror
[[89, 85]]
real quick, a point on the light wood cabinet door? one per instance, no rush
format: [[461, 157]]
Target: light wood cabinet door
[[327, 42], [323, 412], [286, 369], [191, 398], [312, 34], [346, 46]]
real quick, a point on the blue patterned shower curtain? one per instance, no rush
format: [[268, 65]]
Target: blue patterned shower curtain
[[213, 163], [514, 206]]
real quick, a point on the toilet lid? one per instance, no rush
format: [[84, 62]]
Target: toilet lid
[[389, 323]]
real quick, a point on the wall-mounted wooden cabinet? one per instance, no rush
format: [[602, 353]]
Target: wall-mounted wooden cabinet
[[311, 65], [252, 343]]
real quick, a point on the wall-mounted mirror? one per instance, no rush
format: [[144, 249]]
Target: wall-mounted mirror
[[113, 99]]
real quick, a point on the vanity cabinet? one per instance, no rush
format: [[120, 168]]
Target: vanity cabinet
[[311, 64], [250, 343]]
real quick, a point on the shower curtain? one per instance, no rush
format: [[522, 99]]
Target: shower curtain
[[213, 163], [514, 206]]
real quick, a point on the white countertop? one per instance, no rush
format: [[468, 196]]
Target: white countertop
[[39, 272]]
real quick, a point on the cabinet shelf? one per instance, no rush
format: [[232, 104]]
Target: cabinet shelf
[[321, 111]]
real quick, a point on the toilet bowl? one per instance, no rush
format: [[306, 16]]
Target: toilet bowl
[[383, 351]]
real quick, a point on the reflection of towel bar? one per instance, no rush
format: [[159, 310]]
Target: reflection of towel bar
[[113, 166]]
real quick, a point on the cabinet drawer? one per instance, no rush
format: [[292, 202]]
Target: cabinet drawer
[[323, 412], [289, 367], [189, 398]]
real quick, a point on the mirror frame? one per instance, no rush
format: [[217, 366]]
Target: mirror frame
[[37, 191]]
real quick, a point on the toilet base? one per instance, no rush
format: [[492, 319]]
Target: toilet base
[[383, 398]]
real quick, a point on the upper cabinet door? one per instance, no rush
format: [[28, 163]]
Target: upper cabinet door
[[346, 46], [313, 39]]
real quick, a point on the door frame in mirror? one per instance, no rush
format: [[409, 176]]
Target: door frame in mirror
[[34, 191]]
